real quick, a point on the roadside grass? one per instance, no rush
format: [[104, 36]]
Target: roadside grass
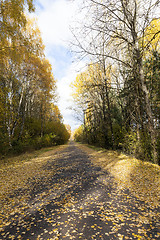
[[17, 175], [140, 177], [23, 157]]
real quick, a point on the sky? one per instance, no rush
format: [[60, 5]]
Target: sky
[[54, 18]]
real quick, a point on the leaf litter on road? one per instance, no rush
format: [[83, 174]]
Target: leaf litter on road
[[61, 194]]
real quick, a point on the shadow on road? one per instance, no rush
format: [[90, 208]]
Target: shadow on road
[[77, 200]]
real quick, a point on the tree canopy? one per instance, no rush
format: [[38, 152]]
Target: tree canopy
[[119, 91], [29, 116]]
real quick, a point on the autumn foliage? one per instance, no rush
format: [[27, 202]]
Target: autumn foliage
[[29, 117], [118, 111]]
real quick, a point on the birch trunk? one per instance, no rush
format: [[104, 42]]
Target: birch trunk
[[148, 109]]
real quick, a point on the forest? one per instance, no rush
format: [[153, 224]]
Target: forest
[[29, 115], [106, 185], [118, 93]]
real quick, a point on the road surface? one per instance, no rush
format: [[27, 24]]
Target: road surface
[[77, 200]]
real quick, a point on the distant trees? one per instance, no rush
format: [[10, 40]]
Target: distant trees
[[27, 86], [121, 36], [78, 134], [102, 116]]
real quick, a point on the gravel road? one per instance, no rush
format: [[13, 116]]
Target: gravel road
[[76, 200]]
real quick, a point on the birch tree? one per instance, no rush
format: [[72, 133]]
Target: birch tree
[[123, 24]]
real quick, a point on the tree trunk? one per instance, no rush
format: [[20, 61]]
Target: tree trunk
[[9, 133], [148, 109]]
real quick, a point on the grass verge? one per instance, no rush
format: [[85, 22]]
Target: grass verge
[[15, 172], [140, 177]]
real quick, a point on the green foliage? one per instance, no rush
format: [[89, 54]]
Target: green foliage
[[152, 76], [61, 135], [119, 93], [138, 144], [79, 134], [33, 127], [100, 139], [4, 148], [55, 133], [123, 124], [158, 146], [118, 136], [131, 143]]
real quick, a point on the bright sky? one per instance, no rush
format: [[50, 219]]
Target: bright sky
[[54, 20]]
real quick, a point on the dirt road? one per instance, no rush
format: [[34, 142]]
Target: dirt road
[[73, 199]]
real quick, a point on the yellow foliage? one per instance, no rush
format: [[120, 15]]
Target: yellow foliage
[[152, 36], [92, 78]]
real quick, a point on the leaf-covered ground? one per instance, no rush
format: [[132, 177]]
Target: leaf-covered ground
[[140, 177], [67, 193]]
